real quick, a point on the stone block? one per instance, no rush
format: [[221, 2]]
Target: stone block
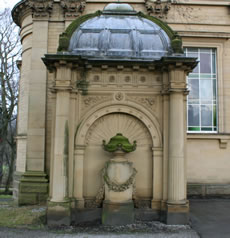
[[218, 189], [117, 214], [27, 199], [196, 190], [177, 214], [92, 215], [147, 214], [33, 188], [59, 213]]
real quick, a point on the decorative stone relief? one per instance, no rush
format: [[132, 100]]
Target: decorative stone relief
[[147, 101], [40, 8], [119, 96], [72, 8], [123, 80], [158, 8], [108, 125], [90, 101]]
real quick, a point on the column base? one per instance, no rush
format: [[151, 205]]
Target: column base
[[31, 188], [59, 213], [79, 203], [117, 214], [177, 214]]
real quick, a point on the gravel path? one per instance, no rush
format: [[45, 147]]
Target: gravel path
[[148, 229]]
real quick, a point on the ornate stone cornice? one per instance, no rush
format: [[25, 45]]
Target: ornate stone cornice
[[72, 8], [158, 8], [38, 8]]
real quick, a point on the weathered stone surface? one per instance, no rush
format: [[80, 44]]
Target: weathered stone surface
[[33, 188], [58, 214], [116, 214], [177, 214]]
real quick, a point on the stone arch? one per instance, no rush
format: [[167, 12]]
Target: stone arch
[[148, 119], [85, 167]]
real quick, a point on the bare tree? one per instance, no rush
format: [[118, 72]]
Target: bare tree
[[9, 74]]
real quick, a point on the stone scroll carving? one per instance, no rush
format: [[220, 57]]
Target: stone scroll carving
[[40, 8], [158, 8], [73, 8]]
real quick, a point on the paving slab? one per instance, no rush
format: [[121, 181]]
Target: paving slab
[[210, 217]]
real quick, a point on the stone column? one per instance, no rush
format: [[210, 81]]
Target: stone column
[[59, 211], [78, 172], [33, 185], [177, 207]]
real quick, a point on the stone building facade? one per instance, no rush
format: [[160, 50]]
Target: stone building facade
[[90, 71]]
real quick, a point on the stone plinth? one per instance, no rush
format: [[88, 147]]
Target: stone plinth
[[117, 214]]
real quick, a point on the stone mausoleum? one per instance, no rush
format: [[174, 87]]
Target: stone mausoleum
[[124, 108]]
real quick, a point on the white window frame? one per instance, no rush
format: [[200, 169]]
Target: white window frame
[[219, 71]]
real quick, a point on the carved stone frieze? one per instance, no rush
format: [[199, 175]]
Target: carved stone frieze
[[158, 8], [147, 101], [90, 101], [72, 8]]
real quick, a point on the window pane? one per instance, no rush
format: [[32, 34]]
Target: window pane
[[195, 55], [205, 63], [214, 89], [213, 62], [206, 115], [214, 116], [194, 88], [193, 115], [206, 91]]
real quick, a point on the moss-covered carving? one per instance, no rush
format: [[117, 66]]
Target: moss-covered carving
[[119, 142], [82, 85], [65, 37], [176, 44]]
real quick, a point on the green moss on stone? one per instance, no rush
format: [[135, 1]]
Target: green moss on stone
[[27, 199], [160, 23], [33, 188]]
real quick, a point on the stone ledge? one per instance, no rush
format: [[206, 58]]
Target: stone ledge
[[208, 190]]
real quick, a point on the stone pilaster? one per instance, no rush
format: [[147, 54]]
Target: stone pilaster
[[59, 205], [157, 179], [78, 183]]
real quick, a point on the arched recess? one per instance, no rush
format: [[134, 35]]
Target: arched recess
[[103, 123]]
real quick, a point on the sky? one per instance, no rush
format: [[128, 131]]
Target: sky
[[8, 3]]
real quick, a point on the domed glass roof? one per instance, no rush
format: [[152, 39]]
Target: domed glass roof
[[120, 33]]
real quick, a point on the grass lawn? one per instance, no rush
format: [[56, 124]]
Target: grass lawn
[[32, 217]]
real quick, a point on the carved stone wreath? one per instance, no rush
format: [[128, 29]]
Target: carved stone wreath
[[115, 186]]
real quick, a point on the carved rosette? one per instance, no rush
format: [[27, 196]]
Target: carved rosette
[[73, 8], [158, 8]]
